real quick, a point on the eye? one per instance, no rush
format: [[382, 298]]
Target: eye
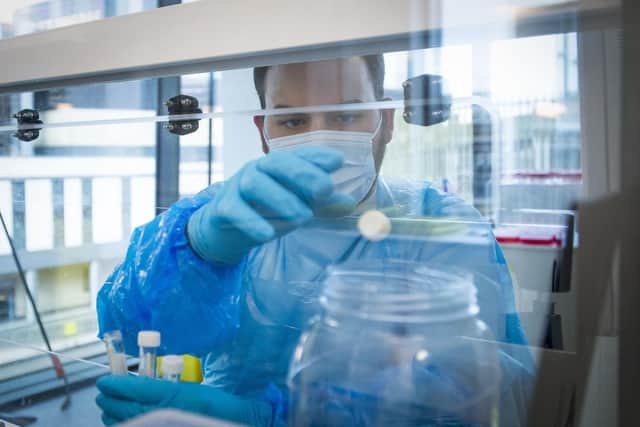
[[347, 117], [291, 122]]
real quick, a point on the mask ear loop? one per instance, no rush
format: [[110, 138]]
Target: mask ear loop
[[377, 173], [264, 132], [378, 127]]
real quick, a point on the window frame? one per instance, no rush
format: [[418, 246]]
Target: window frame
[[297, 32]]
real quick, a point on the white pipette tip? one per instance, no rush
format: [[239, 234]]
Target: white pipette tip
[[374, 225]]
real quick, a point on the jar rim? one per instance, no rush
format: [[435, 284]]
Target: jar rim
[[399, 291]]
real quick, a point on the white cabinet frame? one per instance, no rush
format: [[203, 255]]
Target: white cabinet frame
[[219, 34]]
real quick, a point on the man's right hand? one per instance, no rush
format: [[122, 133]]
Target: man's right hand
[[267, 198]]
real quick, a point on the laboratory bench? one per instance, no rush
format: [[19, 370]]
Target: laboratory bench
[[83, 411]]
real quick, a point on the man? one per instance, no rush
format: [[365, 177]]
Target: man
[[232, 273]]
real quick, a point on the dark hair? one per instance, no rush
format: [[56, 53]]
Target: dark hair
[[375, 65]]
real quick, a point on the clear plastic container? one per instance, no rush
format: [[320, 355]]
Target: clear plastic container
[[172, 366], [115, 352], [148, 342], [397, 344]]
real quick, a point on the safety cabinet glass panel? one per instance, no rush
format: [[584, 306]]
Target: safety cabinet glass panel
[[510, 149], [464, 159]]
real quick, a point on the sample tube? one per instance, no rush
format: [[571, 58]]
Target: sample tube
[[172, 368], [148, 341], [115, 352]]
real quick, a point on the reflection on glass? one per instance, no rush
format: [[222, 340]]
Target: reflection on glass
[[21, 17], [268, 235], [74, 197]]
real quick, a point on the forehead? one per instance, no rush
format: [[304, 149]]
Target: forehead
[[318, 83]]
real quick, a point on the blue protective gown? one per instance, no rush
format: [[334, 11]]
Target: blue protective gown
[[245, 319]]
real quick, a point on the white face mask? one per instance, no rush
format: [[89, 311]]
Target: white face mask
[[357, 174]]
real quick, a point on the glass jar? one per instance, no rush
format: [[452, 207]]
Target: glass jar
[[397, 344]]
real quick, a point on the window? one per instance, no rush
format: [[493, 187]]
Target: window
[[73, 196], [21, 17]]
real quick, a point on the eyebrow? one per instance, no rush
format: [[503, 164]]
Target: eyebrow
[[351, 101]]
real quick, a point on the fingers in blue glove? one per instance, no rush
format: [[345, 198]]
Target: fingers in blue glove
[[123, 398], [109, 421], [337, 205], [329, 160], [127, 397], [274, 193], [266, 199], [138, 389], [232, 211], [274, 201], [298, 175], [326, 158]]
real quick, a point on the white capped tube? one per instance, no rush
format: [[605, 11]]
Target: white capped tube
[[172, 366], [148, 342]]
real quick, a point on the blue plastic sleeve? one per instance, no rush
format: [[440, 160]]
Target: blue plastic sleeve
[[163, 285], [279, 402]]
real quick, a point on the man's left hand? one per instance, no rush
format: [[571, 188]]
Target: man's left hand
[[125, 397]]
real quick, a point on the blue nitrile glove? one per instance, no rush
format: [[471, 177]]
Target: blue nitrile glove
[[125, 397], [267, 198]]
